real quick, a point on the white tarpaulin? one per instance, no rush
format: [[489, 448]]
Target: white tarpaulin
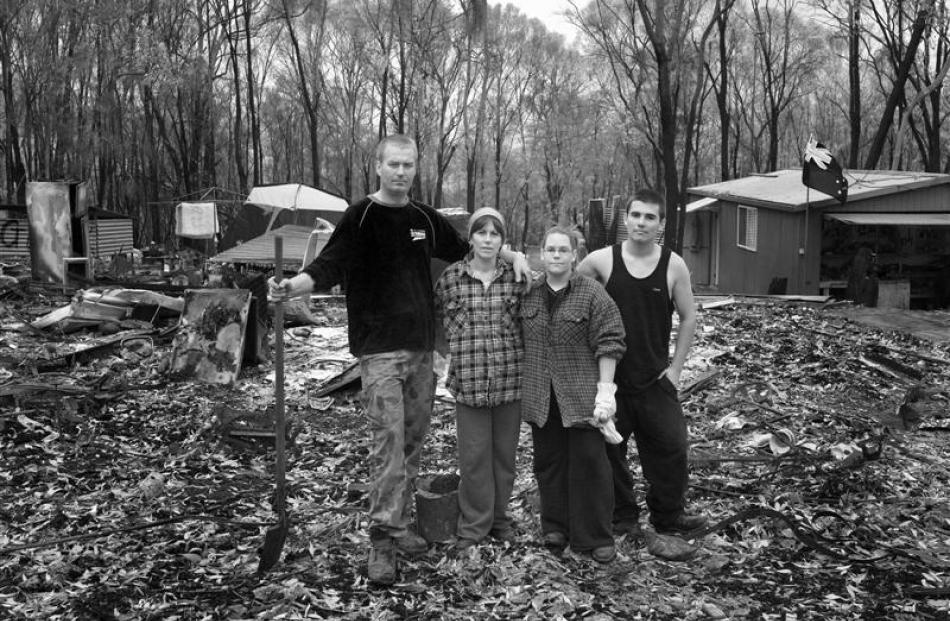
[[196, 220], [294, 196]]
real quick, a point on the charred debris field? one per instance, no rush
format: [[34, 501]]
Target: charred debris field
[[819, 450]]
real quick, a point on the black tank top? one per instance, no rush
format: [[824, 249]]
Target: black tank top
[[647, 311]]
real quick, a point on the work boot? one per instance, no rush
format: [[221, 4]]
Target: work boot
[[411, 544], [504, 533], [382, 562], [684, 523], [630, 528], [604, 554], [555, 541]]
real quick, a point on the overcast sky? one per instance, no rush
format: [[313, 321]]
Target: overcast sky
[[548, 11]]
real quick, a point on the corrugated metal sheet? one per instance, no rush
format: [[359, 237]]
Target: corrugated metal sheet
[[14, 238], [107, 237], [618, 212], [260, 250]]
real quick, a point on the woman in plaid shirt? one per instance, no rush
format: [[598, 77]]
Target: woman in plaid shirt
[[479, 302], [573, 338]]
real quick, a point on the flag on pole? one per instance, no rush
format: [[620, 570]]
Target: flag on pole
[[822, 172]]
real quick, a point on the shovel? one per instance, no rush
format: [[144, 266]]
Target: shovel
[[274, 538]]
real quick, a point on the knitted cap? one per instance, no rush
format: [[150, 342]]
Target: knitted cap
[[486, 211]]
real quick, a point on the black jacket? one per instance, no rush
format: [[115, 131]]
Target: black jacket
[[382, 256]]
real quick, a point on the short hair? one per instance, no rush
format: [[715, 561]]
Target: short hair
[[650, 196], [397, 140], [479, 223], [561, 230]]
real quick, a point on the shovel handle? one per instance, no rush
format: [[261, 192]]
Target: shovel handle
[[279, 440]]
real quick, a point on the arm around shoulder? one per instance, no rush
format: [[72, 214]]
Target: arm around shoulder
[[607, 331], [596, 265], [449, 244]]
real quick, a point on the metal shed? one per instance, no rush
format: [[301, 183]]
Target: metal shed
[[106, 234], [770, 233], [14, 233]]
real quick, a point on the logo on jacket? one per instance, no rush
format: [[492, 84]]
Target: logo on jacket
[[417, 234]]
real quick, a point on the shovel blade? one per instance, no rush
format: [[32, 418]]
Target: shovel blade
[[269, 553]]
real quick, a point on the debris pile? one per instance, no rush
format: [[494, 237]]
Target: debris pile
[[819, 452]]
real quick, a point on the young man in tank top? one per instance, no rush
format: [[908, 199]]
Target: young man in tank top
[[648, 281]]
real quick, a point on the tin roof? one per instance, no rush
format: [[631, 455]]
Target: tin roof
[[784, 190], [260, 250], [892, 219]]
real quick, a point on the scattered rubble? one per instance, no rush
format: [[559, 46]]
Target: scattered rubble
[[818, 449]]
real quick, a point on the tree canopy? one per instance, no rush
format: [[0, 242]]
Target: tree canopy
[[152, 100]]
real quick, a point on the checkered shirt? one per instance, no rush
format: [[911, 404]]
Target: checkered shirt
[[561, 351], [483, 329]]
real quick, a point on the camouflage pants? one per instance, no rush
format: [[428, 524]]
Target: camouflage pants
[[398, 391]]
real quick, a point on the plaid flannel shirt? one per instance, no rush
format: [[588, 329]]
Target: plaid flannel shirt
[[483, 329], [561, 351]]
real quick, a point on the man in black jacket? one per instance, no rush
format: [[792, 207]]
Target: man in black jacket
[[382, 251]]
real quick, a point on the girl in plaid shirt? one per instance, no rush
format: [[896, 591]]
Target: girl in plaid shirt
[[573, 337], [479, 302]]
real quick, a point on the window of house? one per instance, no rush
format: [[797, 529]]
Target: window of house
[[747, 228]]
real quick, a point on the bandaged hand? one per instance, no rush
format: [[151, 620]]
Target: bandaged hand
[[605, 409]]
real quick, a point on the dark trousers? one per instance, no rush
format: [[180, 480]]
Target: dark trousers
[[655, 419], [574, 481]]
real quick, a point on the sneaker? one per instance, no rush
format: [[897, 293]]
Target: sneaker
[[504, 533], [684, 523], [382, 562], [411, 544], [604, 554], [630, 528], [464, 543], [555, 540]]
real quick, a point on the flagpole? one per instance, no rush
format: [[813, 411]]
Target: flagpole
[[827, 177], [805, 242]]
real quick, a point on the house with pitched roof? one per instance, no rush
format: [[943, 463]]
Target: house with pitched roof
[[769, 233]]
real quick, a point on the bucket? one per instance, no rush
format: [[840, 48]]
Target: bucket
[[437, 507]]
